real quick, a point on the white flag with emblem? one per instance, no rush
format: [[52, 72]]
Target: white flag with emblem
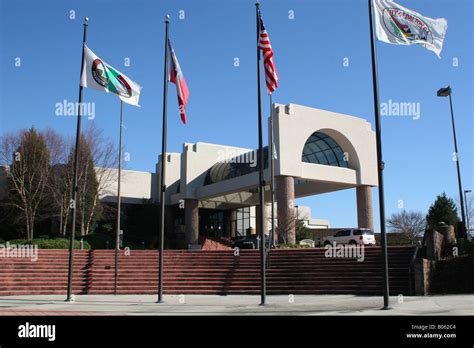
[[99, 75], [398, 25]]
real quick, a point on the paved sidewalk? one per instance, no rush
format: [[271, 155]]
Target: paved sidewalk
[[235, 305]]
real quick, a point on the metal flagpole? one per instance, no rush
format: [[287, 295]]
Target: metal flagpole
[[380, 163], [261, 184], [463, 234], [73, 204], [271, 151], [117, 235], [163, 168]]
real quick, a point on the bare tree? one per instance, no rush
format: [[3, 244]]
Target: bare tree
[[26, 156], [105, 157], [40, 172], [411, 224], [287, 231], [60, 178], [96, 156]]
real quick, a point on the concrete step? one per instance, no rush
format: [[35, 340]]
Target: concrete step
[[301, 271]]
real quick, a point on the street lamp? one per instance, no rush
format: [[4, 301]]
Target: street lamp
[[445, 92], [468, 223]]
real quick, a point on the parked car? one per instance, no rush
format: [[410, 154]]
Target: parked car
[[362, 236], [251, 241]]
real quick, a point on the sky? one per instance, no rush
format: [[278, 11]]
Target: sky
[[312, 40]]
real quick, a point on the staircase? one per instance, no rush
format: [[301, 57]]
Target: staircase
[[308, 271], [47, 275], [291, 271]]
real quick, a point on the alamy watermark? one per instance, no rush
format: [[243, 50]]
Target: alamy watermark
[[234, 156], [354, 251], [19, 251], [402, 109], [28, 330], [66, 108]]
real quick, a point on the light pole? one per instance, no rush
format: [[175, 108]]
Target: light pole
[[445, 92], [468, 222]]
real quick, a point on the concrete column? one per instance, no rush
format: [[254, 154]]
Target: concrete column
[[285, 197], [258, 217], [365, 210], [191, 219], [233, 226], [423, 276]]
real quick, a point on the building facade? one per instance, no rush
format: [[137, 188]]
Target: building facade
[[213, 189]]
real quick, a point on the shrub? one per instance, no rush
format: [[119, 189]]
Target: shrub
[[43, 236], [291, 246], [303, 232], [58, 243]]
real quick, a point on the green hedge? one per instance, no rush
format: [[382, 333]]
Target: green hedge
[[58, 243], [454, 276], [91, 241]]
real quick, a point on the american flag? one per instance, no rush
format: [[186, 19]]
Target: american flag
[[176, 77], [271, 76]]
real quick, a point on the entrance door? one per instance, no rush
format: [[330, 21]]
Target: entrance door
[[211, 223]]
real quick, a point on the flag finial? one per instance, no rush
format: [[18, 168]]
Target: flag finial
[[167, 18], [86, 20]]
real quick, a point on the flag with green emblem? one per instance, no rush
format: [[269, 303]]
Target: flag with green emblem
[[99, 75], [399, 25]]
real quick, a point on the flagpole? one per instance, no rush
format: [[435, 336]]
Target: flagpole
[[271, 151], [163, 169], [76, 168], [380, 163], [117, 235], [261, 184]]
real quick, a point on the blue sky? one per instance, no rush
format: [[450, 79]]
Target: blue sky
[[309, 53]]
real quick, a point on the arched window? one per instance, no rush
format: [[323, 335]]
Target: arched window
[[322, 149]]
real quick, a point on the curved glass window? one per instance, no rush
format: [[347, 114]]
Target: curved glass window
[[322, 149], [238, 166]]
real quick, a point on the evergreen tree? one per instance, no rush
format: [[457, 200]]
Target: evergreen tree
[[442, 210]]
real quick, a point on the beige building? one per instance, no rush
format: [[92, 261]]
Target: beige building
[[212, 189]]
